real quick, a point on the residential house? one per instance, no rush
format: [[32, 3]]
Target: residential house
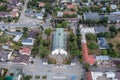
[[14, 14], [28, 41], [102, 43], [114, 17], [61, 14], [101, 76], [5, 47], [17, 74], [3, 14], [100, 29], [39, 15], [91, 16], [70, 6], [59, 45], [25, 51], [29, 13], [103, 60], [21, 59], [32, 35], [5, 56], [18, 36], [41, 4]]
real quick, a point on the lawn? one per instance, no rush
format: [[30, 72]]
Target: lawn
[[96, 51], [5, 37]]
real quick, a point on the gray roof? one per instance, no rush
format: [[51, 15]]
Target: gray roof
[[3, 56], [91, 16], [32, 34], [102, 43], [77, 1], [27, 40], [113, 17], [59, 39], [100, 29], [39, 14]]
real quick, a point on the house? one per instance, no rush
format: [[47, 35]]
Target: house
[[18, 36], [59, 45], [5, 47], [17, 74], [32, 34], [114, 17], [14, 14], [70, 6], [21, 59], [28, 41], [29, 12], [39, 15], [41, 4], [101, 76], [87, 58], [102, 43], [103, 60], [69, 12], [25, 51], [3, 14], [91, 16], [15, 9], [100, 29], [4, 56], [60, 14]]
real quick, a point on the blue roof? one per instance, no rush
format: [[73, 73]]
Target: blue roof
[[73, 77], [17, 33], [27, 40], [102, 43]]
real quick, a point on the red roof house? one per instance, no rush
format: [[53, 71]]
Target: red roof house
[[26, 51], [70, 6], [14, 14], [41, 4]]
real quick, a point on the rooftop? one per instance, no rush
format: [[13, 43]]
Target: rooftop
[[59, 39]]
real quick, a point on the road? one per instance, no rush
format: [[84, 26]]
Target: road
[[50, 70]]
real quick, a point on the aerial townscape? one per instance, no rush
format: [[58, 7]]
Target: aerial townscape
[[59, 39]]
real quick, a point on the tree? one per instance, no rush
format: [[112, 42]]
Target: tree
[[92, 46], [48, 31], [104, 52], [112, 29], [90, 36], [107, 35], [118, 46], [111, 45]]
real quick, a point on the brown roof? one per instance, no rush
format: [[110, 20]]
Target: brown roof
[[41, 4], [13, 14], [69, 12]]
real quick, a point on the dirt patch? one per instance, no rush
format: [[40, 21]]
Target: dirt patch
[[115, 41]]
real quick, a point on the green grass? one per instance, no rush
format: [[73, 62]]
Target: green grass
[[44, 77], [37, 77]]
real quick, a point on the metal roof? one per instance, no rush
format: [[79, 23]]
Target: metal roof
[[59, 39], [91, 16], [27, 40]]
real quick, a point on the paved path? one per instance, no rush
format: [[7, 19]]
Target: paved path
[[50, 70]]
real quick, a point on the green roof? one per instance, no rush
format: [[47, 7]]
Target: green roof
[[8, 78], [59, 39]]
